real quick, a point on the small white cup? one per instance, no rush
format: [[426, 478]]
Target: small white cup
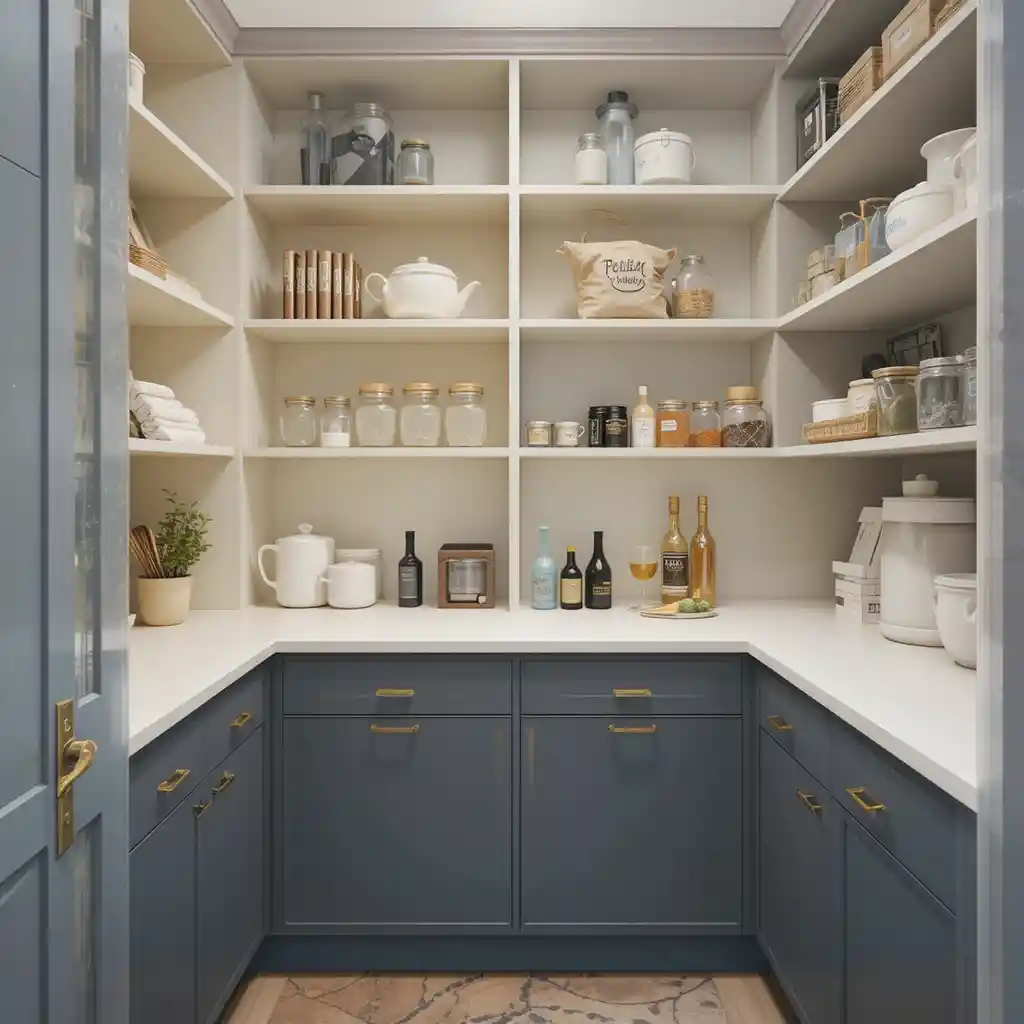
[[568, 434]]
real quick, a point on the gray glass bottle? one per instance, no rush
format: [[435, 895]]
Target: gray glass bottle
[[316, 167], [616, 119]]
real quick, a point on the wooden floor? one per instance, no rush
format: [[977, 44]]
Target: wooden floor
[[506, 999]]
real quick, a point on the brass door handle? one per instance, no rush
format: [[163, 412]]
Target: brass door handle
[[630, 693], [225, 782], [242, 720], [858, 792], [202, 807], [173, 781], [82, 752], [779, 723], [807, 799], [394, 730], [633, 730], [385, 691]]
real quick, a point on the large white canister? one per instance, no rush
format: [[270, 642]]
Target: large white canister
[[664, 158], [923, 536]]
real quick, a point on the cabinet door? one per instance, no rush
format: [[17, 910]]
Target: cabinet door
[[231, 872], [632, 823], [396, 823], [797, 922], [900, 942], [163, 922]]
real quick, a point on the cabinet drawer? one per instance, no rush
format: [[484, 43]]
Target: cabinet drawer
[[397, 686], [178, 760], [912, 819], [795, 722], [632, 686]]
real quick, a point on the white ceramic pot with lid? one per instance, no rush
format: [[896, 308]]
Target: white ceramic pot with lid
[[421, 291], [664, 158], [923, 536], [956, 612], [351, 585], [302, 558]]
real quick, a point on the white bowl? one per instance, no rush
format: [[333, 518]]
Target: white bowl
[[940, 153], [829, 409], [956, 610], [916, 211]]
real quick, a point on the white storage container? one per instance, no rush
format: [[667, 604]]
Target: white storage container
[[371, 556], [829, 409], [956, 612], [664, 158]]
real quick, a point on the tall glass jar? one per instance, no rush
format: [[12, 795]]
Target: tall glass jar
[[744, 422], [336, 423], [940, 393], [421, 416], [897, 399], [376, 417], [465, 420], [693, 292], [415, 163], [591, 160], [705, 425], [363, 151], [299, 422]]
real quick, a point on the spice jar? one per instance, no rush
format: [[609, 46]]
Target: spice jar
[[672, 424], [940, 393], [465, 420], [538, 434], [705, 426], [744, 422], [616, 427], [693, 291], [596, 418], [897, 399], [376, 417], [971, 386], [298, 421], [415, 163], [421, 416], [336, 423], [591, 160]]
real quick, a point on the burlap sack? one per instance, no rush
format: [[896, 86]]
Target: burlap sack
[[619, 279]]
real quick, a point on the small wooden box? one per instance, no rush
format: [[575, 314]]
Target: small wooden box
[[450, 574], [860, 83], [908, 32]]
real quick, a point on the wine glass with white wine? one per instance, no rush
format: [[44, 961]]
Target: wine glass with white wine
[[643, 564]]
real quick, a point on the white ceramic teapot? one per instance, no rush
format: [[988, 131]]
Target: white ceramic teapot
[[421, 291], [302, 558]]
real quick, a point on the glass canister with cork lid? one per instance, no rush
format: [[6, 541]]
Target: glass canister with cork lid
[[744, 422], [896, 387]]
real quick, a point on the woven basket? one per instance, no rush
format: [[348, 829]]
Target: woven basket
[[847, 428], [947, 12], [148, 260]]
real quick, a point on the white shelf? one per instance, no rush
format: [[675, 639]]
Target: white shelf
[[954, 439], [878, 152], [599, 454], [173, 31], [140, 446], [399, 332], [934, 274], [161, 164], [155, 303], [377, 453], [395, 205], [717, 331]]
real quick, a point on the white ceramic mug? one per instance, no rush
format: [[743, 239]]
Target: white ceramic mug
[[351, 584], [568, 434]]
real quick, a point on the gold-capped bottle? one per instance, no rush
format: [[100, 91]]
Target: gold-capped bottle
[[675, 570], [703, 580]]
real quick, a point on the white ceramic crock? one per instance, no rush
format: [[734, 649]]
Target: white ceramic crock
[[302, 559], [956, 612], [351, 585], [829, 409], [916, 211], [664, 158], [421, 291], [940, 153], [965, 171]]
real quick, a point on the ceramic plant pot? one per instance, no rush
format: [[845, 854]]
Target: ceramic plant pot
[[164, 602]]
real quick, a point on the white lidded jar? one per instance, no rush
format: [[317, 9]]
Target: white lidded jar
[[376, 417], [591, 160], [664, 158], [421, 416], [336, 423], [465, 420], [302, 559]]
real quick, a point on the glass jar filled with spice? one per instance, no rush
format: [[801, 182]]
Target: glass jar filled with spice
[[376, 417], [421, 416], [465, 420], [673, 424], [336, 423], [693, 292], [897, 399], [705, 425], [744, 422], [299, 422]]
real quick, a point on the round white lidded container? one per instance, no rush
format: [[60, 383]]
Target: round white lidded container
[[829, 409], [664, 158], [371, 556], [923, 536], [956, 612], [351, 585], [861, 396]]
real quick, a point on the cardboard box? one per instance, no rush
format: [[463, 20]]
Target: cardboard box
[[866, 557], [866, 612], [908, 32], [860, 83]]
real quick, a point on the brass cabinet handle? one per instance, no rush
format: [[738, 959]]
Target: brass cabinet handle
[[225, 782], [385, 691], [173, 781], [779, 723], [242, 720], [630, 693], [858, 792], [807, 799], [202, 807], [633, 730], [82, 753], [394, 730]]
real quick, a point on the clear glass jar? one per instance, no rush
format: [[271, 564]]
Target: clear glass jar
[[421, 416], [897, 400], [591, 160], [940, 393], [693, 291], [363, 150], [299, 421], [376, 417], [336, 423], [415, 163], [971, 386], [465, 420], [705, 426], [744, 422]]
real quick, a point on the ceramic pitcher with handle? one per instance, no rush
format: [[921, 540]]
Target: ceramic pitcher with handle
[[301, 559]]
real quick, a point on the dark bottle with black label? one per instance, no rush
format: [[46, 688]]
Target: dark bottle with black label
[[599, 576], [570, 585], [410, 575]]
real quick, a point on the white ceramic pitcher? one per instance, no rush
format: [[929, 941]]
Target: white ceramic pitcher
[[302, 558]]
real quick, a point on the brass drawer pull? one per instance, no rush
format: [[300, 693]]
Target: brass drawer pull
[[779, 724], [807, 799], [631, 693], [225, 782], [242, 720], [857, 792], [385, 691], [202, 807], [173, 781], [633, 730], [394, 730]]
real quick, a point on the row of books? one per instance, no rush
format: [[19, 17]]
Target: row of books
[[321, 285]]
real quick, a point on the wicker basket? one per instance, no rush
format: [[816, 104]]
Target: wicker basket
[[860, 83], [148, 260], [947, 12], [847, 428]]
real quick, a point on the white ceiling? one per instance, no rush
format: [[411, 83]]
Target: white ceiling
[[510, 13]]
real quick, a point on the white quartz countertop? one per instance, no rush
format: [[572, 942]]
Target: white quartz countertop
[[912, 701]]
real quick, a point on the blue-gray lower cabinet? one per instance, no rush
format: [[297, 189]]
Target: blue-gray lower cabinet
[[632, 824], [396, 824]]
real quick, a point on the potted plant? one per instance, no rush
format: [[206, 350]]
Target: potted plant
[[167, 558]]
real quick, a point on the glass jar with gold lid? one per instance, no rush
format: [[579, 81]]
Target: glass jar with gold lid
[[465, 419], [421, 416], [896, 387], [299, 421], [376, 417]]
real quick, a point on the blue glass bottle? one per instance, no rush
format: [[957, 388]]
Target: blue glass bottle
[[544, 593]]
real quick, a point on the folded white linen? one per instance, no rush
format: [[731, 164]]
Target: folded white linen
[[173, 432], [151, 407], [144, 387]]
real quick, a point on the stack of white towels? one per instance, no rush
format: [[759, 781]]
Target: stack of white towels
[[161, 416]]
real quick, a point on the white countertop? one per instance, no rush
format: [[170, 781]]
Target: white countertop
[[912, 701]]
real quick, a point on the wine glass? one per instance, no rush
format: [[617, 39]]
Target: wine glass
[[643, 564]]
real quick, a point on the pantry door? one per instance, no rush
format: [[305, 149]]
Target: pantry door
[[63, 468]]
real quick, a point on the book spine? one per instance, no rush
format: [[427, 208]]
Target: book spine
[[300, 285], [288, 285], [348, 271], [357, 304], [311, 262], [336, 289], [323, 285]]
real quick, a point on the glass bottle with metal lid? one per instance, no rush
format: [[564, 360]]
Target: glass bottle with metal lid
[[336, 422], [591, 160], [421, 416], [415, 163], [376, 417], [299, 422]]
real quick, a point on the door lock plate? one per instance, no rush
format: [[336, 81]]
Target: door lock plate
[[64, 733]]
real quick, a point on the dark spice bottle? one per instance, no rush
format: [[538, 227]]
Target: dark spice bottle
[[616, 427], [599, 577], [595, 425], [410, 575]]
